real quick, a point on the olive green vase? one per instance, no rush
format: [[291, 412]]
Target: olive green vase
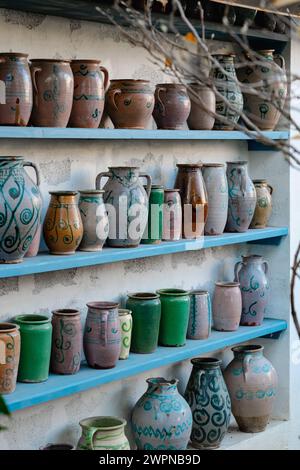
[[175, 306], [154, 229]]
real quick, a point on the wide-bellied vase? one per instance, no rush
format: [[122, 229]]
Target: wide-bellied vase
[[172, 106], [103, 433], [215, 180]]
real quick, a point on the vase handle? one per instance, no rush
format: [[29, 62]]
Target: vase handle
[[102, 175], [246, 365], [33, 165], [271, 189], [280, 59], [106, 77], [34, 71], [266, 266], [149, 182], [200, 374], [89, 438], [237, 270], [111, 96], [160, 101]]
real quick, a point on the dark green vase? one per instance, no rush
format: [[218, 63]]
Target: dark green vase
[[175, 307], [36, 334], [146, 312], [153, 232]]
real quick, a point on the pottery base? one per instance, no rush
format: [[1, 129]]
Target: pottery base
[[152, 242], [258, 226], [26, 381], [62, 253], [96, 366], [90, 250], [175, 128], [196, 445], [122, 246], [252, 425], [250, 323], [15, 261], [141, 128]]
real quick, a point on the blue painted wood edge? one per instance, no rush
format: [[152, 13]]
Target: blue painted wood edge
[[59, 386], [45, 262], [10, 132]]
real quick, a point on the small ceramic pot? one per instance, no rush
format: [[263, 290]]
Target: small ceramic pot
[[200, 318], [175, 309], [172, 215], [214, 175], [10, 344], [126, 331], [94, 219], [203, 106], [172, 106], [103, 433], [263, 209], [154, 229], [227, 306]]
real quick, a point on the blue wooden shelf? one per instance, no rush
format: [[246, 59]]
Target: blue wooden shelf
[[45, 262], [58, 386], [11, 132]]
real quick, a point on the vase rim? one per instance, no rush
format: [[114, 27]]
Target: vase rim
[[206, 362], [91, 191], [67, 61], [66, 312], [57, 447], [124, 311], [260, 181], [16, 54], [11, 158], [161, 381], [123, 167], [227, 284], [86, 61], [8, 327], [144, 295], [248, 348], [199, 292], [170, 190], [63, 193], [213, 165], [156, 186], [32, 318], [103, 422], [129, 80], [257, 257], [170, 85], [103, 305], [173, 292], [238, 162], [189, 165]]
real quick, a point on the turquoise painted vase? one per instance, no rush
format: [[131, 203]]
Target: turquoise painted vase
[[208, 397], [103, 433], [20, 208], [200, 320], [242, 197], [161, 419]]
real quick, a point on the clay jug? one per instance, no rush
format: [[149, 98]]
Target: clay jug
[[172, 106], [10, 344], [161, 419], [200, 318], [127, 205], [208, 397], [94, 219], [251, 273], [20, 208], [263, 209], [215, 180], [203, 106], [242, 197], [267, 78], [102, 335], [89, 93], [252, 383], [193, 199], [227, 306], [175, 310], [130, 103], [15, 74], [172, 215], [103, 433], [227, 86], [53, 86], [63, 229]]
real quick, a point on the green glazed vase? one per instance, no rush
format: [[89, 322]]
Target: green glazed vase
[[154, 229], [175, 306], [36, 335], [146, 312]]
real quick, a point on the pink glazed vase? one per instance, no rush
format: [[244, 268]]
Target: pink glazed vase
[[227, 306]]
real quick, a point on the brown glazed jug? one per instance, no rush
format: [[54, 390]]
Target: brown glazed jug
[[53, 87], [172, 106], [193, 198], [89, 93], [15, 73], [63, 229], [10, 343], [130, 103]]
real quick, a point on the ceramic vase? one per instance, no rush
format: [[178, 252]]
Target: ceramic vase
[[175, 309], [36, 335], [227, 306], [63, 229], [172, 106], [251, 273], [103, 433], [15, 74], [127, 205], [35, 244], [252, 383], [203, 105], [66, 341], [242, 197], [126, 331], [227, 87], [214, 175], [102, 335], [263, 209], [193, 199], [90, 84], [146, 314], [9, 356], [153, 232], [161, 419], [172, 215], [53, 86], [130, 103], [208, 397], [20, 208], [94, 220], [264, 76], [200, 318]]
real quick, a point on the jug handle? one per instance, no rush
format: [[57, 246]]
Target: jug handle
[[103, 328], [160, 101], [89, 437], [33, 165], [34, 71], [106, 77], [279, 58], [271, 189], [102, 175], [201, 372], [236, 271], [112, 97], [246, 363], [149, 182], [266, 267]]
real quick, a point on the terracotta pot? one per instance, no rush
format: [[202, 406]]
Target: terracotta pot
[[215, 180], [268, 78], [227, 306], [252, 383], [263, 209], [193, 199], [200, 319], [89, 93], [102, 335], [9, 356], [172, 106], [53, 86], [172, 215], [201, 107], [103, 433], [94, 219], [66, 341], [130, 103], [15, 73], [63, 229]]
